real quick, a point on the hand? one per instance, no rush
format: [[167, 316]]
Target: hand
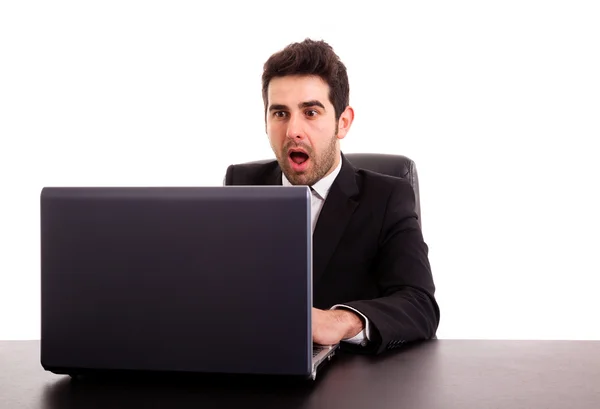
[[331, 326]]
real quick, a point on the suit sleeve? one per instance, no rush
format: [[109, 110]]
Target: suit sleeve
[[406, 311]]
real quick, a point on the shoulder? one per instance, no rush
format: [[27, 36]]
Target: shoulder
[[384, 185], [251, 173], [392, 196]]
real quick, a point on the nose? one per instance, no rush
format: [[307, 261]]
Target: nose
[[295, 128]]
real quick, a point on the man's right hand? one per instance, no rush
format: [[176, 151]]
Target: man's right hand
[[329, 327]]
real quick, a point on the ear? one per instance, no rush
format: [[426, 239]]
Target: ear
[[265, 118], [345, 122]]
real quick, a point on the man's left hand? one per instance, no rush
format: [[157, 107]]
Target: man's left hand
[[331, 326]]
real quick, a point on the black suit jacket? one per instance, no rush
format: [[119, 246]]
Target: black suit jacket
[[368, 253]]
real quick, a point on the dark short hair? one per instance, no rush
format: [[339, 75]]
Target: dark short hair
[[310, 58]]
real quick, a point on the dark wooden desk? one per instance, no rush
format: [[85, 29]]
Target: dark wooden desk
[[436, 374]]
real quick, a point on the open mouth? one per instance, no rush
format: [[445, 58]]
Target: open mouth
[[298, 160], [298, 157]]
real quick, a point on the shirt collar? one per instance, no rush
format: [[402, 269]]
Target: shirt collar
[[322, 186]]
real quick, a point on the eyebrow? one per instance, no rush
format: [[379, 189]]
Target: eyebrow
[[307, 104], [313, 103], [277, 107]]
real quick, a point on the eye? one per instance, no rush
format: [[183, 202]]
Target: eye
[[280, 114], [312, 112]]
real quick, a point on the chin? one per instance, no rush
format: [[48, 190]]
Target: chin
[[297, 178]]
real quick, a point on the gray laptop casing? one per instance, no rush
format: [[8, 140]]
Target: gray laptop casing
[[186, 279]]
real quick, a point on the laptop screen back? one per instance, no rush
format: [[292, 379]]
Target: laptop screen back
[[209, 279]]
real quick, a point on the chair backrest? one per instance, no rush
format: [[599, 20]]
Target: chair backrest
[[392, 165]]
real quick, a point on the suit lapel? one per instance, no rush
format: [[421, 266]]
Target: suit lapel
[[336, 213]]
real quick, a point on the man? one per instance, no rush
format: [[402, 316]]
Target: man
[[372, 285]]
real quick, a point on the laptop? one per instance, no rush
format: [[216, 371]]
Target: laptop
[[178, 279]]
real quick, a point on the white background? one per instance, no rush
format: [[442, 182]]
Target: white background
[[498, 102]]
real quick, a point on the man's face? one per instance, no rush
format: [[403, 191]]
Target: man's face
[[302, 129]]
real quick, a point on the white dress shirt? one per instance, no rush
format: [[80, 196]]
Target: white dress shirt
[[320, 190]]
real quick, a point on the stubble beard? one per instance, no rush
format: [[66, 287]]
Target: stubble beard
[[321, 164]]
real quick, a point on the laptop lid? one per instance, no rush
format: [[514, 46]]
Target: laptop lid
[[200, 279]]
